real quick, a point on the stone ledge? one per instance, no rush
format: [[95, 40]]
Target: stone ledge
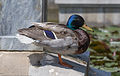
[[37, 64], [41, 64], [12, 43], [87, 1]]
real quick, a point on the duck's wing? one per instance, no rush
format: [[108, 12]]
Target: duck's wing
[[45, 33], [39, 31], [32, 32], [57, 28]]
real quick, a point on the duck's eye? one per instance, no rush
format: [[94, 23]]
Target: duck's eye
[[77, 23], [74, 22]]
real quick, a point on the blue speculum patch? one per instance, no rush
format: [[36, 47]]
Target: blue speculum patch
[[49, 34]]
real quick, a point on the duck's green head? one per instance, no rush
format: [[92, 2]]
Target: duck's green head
[[76, 21]]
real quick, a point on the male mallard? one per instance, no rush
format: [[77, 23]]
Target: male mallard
[[58, 38]]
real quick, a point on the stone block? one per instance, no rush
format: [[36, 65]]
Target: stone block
[[42, 64]]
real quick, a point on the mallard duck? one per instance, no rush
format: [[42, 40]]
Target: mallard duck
[[58, 38]]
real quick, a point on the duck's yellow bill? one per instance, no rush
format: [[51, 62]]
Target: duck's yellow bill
[[88, 28]]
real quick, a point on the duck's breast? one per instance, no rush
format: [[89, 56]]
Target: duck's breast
[[83, 40]]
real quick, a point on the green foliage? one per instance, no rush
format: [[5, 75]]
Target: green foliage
[[105, 56]]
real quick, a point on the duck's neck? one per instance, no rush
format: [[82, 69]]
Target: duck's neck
[[70, 27]]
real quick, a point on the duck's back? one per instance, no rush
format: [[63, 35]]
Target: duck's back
[[38, 30]]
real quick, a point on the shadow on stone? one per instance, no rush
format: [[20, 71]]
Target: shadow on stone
[[39, 60]]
